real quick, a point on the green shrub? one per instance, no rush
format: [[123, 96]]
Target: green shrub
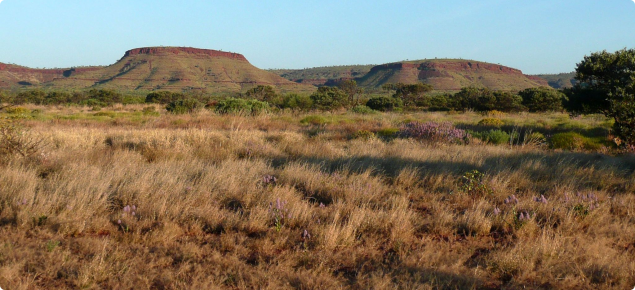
[[363, 134], [313, 120], [495, 137], [542, 99], [388, 133], [296, 102], [568, 141], [361, 109], [329, 98], [383, 104], [493, 122], [17, 110], [184, 106], [483, 99], [235, 106]]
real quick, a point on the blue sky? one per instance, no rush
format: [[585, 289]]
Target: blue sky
[[538, 36]]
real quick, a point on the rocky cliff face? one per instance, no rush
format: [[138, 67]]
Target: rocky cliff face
[[183, 50]]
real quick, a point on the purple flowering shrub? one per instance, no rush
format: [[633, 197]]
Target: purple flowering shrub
[[444, 132]]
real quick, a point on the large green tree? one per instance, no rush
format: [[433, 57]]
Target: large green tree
[[350, 88], [542, 99], [606, 84], [410, 94]]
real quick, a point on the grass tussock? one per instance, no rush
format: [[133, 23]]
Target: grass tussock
[[175, 202]]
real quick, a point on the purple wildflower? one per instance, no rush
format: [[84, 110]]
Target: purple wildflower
[[432, 131]]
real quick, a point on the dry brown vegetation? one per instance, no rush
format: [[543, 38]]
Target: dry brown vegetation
[[340, 213]]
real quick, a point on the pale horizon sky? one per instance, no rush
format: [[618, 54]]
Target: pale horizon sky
[[541, 36]]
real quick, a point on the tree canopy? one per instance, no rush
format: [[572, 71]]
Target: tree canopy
[[607, 85]]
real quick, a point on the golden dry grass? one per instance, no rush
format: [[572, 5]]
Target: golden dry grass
[[353, 213]]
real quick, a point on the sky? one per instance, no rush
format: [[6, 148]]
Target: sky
[[537, 36]]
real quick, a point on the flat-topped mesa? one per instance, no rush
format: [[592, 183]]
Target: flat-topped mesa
[[183, 50], [449, 65]]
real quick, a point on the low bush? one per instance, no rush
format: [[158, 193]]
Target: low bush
[[296, 102], [313, 120], [236, 106], [363, 134], [495, 137], [571, 141], [185, 106], [388, 133], [493, 122], [361, 109]]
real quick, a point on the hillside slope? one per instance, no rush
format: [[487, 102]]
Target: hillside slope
[[450, 75], [327, 75], [156, 68], [559, 81]]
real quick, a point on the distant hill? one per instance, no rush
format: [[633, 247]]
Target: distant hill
[[559, 81], [450, 75], [327, 75], [156, 68], [442, 74]]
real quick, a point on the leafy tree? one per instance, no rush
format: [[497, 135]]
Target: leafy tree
[[350, 88], [262, 93], [296, 102], [542, 99], [105, 96], [383, 104], [57, 98], [329, 98], [33, 96], [410, 94], [606, 84], [184, 106], [484, 99]]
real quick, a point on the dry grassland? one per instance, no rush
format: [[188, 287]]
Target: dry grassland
[[205, 202]]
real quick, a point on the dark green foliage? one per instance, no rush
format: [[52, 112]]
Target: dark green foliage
[[484, 99], [56, 98], [361, 109], [409, 94], [108, 97], [329, 98], [33, 97], [184, 106], [496, 137], [607, 85], [569, 141], [542, 99], [163, 97], [235, 106], [383, 103], [622, 109], [296, 102], [262, 93], [350, 88], [436, 102]]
